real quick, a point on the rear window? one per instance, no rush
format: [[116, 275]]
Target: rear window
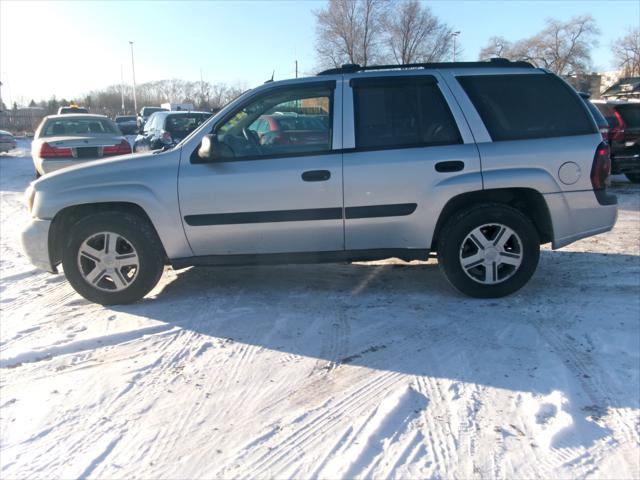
[[78, 126], [125, 119], [301, 122], [519, 107], [402, 112], [184, 124], [146, 111], [630, 114]]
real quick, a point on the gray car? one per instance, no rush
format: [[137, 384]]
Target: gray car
[[71, 139], [479, 162]]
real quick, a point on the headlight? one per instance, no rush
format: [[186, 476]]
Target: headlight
[[29, 196]]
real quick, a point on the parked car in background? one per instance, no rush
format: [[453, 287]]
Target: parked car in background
[[72, 109], [7, 141], [481, 162], [292, 129], [64, 140], [165, 129], [623, 117], [127, 124], [628, 87], [145, 113]]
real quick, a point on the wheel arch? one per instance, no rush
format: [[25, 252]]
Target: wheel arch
[[68, 216], [527, 200]]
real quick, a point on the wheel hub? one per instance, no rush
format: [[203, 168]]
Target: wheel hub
[[491, 253], [108, 261]]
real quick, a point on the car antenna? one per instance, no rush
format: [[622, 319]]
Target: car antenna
[[271, 79]]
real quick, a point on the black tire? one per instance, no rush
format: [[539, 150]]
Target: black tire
[[138, 232], [452, 237], [633, 177]]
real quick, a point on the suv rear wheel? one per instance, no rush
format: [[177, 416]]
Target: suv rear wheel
[[113, 258], [488, 251]]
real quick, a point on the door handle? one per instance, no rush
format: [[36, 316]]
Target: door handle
[[316, 175], [451, 166]]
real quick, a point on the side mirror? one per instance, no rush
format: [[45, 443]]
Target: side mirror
[[207, 152]]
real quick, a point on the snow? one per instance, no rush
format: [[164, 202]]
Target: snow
[[323, 371]]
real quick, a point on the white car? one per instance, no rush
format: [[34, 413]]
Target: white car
[[64, 140], [7, 141]]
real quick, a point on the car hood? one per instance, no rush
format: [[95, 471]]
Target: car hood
[[125, 169]]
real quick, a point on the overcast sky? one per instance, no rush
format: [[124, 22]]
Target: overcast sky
[[70, 48]]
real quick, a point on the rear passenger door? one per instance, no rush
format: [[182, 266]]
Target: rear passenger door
[[408, 150]]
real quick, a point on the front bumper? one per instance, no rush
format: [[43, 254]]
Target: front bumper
[[7, 146], [35, 243]]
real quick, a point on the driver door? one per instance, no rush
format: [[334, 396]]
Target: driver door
[[268, 193]]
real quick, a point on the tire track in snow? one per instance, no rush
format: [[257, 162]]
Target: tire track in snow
[[313, 427]]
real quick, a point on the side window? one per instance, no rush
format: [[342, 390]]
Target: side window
[[527, 106], [402, 112], [307, 110]]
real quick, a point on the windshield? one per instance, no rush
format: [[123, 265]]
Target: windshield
[[73, 110], [78, 126]]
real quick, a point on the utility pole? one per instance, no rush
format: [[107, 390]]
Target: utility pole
[[454, 35], [133, 70], [296, 68], [122, 88]]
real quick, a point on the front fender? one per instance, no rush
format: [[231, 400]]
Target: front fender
[[149, 181]]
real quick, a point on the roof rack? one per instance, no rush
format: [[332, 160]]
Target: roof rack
[[492, 63]]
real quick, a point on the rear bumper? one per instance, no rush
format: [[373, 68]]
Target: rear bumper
[[626, 163], [35, 243], [48, 166], [577, 215]]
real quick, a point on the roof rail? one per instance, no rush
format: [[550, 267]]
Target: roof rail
[[492, 63]]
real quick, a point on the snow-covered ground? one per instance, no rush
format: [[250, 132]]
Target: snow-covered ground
[[365, 370]]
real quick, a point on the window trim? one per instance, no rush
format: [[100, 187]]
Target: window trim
[[328, 84], [376, 82]]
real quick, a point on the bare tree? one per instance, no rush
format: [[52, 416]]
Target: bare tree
[[626, 51], [498, 47], [413, 34], [349, 31], [562, 47]]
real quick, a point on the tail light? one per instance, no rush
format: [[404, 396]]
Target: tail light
[[601, 168], [47, 151], [122, 148], [617, 133]]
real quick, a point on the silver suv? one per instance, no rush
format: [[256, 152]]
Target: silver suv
[[480, 162]]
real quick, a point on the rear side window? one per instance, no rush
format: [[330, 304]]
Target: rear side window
[[518, 107], [630, 113], [402, 112]]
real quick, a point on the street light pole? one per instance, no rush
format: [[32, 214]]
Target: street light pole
[[122, 88], [454, 35], [133, 70]]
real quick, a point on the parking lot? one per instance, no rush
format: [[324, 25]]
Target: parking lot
[[376, 369]]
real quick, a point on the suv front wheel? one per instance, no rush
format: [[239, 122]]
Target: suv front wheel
[[113, 258], [488, 251]]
